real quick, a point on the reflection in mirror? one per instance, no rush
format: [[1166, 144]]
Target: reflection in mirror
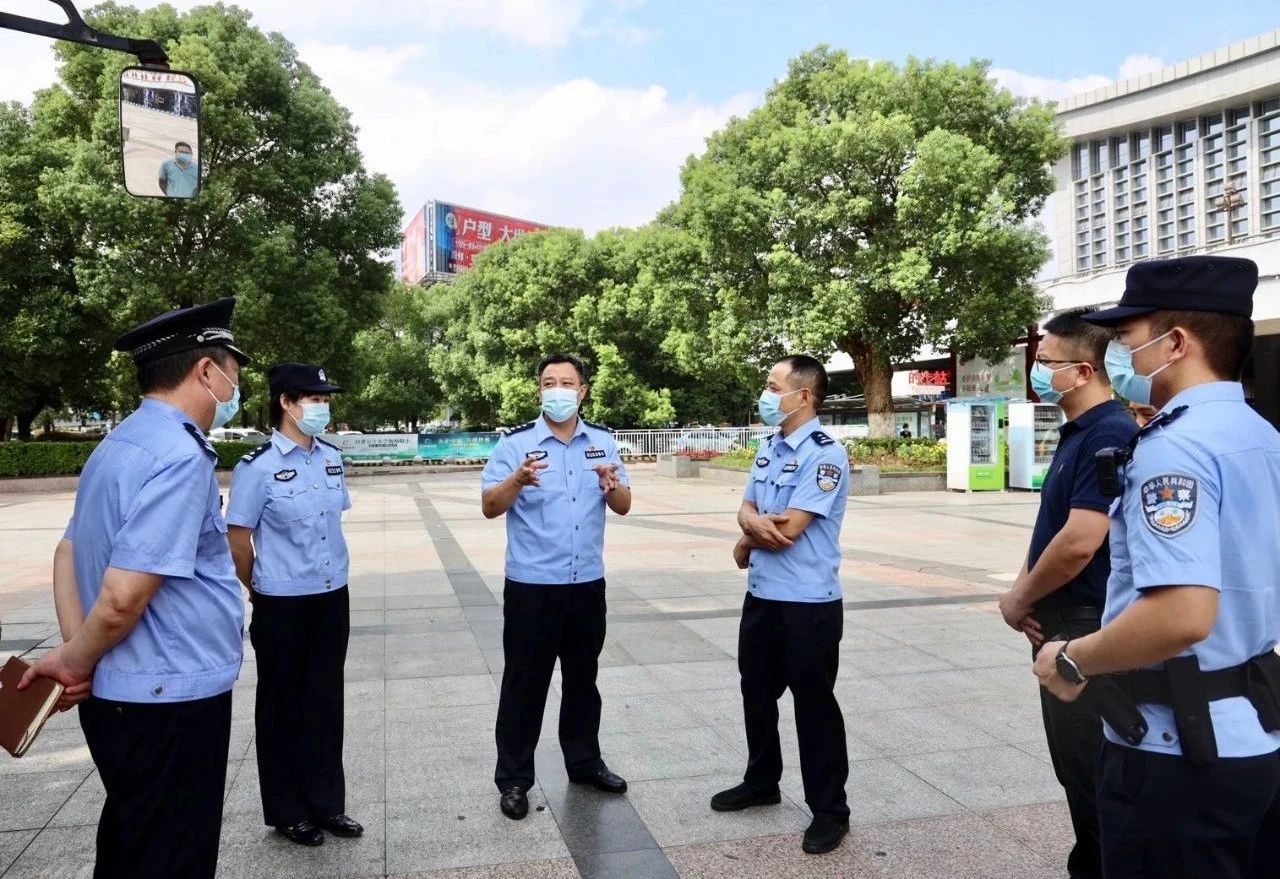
[[160, 133]]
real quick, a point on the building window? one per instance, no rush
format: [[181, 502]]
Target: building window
[[1268, 125]]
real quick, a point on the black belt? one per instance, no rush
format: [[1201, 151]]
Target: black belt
[[1224, 683], [1053, 617]]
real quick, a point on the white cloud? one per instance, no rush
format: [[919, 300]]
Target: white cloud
[[1028, 85], [28, 65], [574, 153]]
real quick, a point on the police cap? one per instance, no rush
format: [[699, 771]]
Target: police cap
[[183, 329], [1220, 284], [305, 378]]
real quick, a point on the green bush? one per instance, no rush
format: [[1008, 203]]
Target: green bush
[[741, 457], [67, 459]]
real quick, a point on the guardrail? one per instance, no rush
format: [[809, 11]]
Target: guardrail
[[647, 443]]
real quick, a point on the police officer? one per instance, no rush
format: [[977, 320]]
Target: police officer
[[1193, 603], [162, 637], [285, 518], [553, 478], [793, 613], [1062, 587]]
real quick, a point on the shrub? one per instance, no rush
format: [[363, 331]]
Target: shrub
[[68, 459]]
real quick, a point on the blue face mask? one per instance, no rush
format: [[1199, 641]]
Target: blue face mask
[[559, 404], [315, 418], [1128, 384], [770, 407], [226, 410], [1042, 382], [184, 159]]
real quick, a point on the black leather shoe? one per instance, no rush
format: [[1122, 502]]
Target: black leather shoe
[[601, 779], [744, 796], [342, 825], [303, 833], [514, 803], [824, 834]]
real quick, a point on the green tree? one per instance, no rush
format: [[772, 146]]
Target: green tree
[[288, 220], [872, 209], [393, 381]]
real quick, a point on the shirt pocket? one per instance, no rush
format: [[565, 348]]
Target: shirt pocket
[[333, 494], [213, 537], [783, 488], [289, 501]]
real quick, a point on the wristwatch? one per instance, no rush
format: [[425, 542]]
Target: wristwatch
[[1067, 668]]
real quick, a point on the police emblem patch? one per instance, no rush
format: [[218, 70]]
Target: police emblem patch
[[536, 454], [762, 461], [285, 475], [792, 467], [1169, 503], [828, 477], [323, 377], [593, 452]]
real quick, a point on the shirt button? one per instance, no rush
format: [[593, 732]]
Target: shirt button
[[570, 472], [316, 486], [326, 563], [324, 538], [158, 691], [1168, 736]]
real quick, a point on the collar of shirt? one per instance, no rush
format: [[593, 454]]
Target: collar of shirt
[[542, 430], [1090, 417], [284, 445], [1209, 392], [797, 437], [168, 410]]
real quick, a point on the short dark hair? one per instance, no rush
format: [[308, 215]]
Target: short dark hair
[[1088, 341], [182, 143], [552, 359], [1227, 338], [166, 373], [275, 411], [807, 372]]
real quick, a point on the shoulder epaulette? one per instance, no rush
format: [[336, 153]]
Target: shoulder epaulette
[[522, 428], [329, 444], [200, 438], [821, 438], [605, 428], [256, 453]]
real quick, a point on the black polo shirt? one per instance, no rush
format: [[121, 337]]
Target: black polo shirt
[[1071, 484]]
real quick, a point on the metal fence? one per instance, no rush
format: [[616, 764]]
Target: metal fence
[[645, 443]]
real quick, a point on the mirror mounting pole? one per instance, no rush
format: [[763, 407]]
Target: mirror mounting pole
[[148, 52]]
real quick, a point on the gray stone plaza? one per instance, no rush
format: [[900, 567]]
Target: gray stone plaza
[[949, 774]]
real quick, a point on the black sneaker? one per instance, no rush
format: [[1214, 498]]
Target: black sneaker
[[824, 834], [735, 799]]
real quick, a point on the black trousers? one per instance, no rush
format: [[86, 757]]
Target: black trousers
[[540, 624], [1163, 818], [1074, 734], [793, 645], [301, 646], [165, 770]]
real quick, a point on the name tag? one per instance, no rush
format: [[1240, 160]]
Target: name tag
[[595, 453], [791, 467], [285, 475], [334, 469]]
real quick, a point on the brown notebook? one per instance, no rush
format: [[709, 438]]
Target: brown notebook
[[23, 712]]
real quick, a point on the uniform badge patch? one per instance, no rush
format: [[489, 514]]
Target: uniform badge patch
[[285, 475], [593, 452], [828, 477], [791, 467], [537, 454], [762, 461], [1169, 503], [334, 469]]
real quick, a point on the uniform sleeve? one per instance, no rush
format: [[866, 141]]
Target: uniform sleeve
[[346, 493], [161, 531], [1086, 494], [615, 457], [1171, 517], [248, 496], [70, 532], [822, 481], [500, 464], [749, 493]]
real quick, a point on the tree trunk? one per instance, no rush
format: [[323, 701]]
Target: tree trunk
[[5, 421], [25, 420], [875, 374]]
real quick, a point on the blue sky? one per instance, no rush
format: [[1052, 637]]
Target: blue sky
[[581, 112]]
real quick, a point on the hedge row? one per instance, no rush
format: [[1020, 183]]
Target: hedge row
[[67, 459]]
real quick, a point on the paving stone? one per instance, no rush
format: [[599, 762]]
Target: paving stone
[[986, 778]]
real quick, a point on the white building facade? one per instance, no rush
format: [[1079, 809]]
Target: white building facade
[[1182, 161]]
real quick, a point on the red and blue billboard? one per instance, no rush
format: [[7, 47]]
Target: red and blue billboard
[[459, 233]]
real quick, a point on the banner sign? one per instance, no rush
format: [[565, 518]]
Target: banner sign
[[413, 249], [459, 233], [388, 448], [978, 378]]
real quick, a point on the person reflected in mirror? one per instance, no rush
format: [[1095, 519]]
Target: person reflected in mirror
[[180, 176]]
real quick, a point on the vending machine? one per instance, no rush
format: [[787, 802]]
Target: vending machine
[[1033, 438], [975, 444]]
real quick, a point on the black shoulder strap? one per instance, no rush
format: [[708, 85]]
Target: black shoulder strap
[[821, 438], [1162, 419], [521, 429], [603, 427], [257, 453], [330, 445], [201, 439]]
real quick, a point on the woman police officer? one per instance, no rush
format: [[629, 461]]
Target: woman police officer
[[285, 528]]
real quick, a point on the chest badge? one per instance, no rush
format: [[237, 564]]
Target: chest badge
[[333, 469], [762, 461], [828, 477], [593, 452], [285, 475], [536, 455], [791, 467], [1169, 503]]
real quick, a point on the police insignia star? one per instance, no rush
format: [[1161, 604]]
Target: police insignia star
[[828, 477], [1169, 503], [285, 475]]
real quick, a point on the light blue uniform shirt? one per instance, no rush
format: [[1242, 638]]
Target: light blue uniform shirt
[[555, 530], [809, 471], [180, 182], [1200, 506], [148, 502], [293, 499]]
